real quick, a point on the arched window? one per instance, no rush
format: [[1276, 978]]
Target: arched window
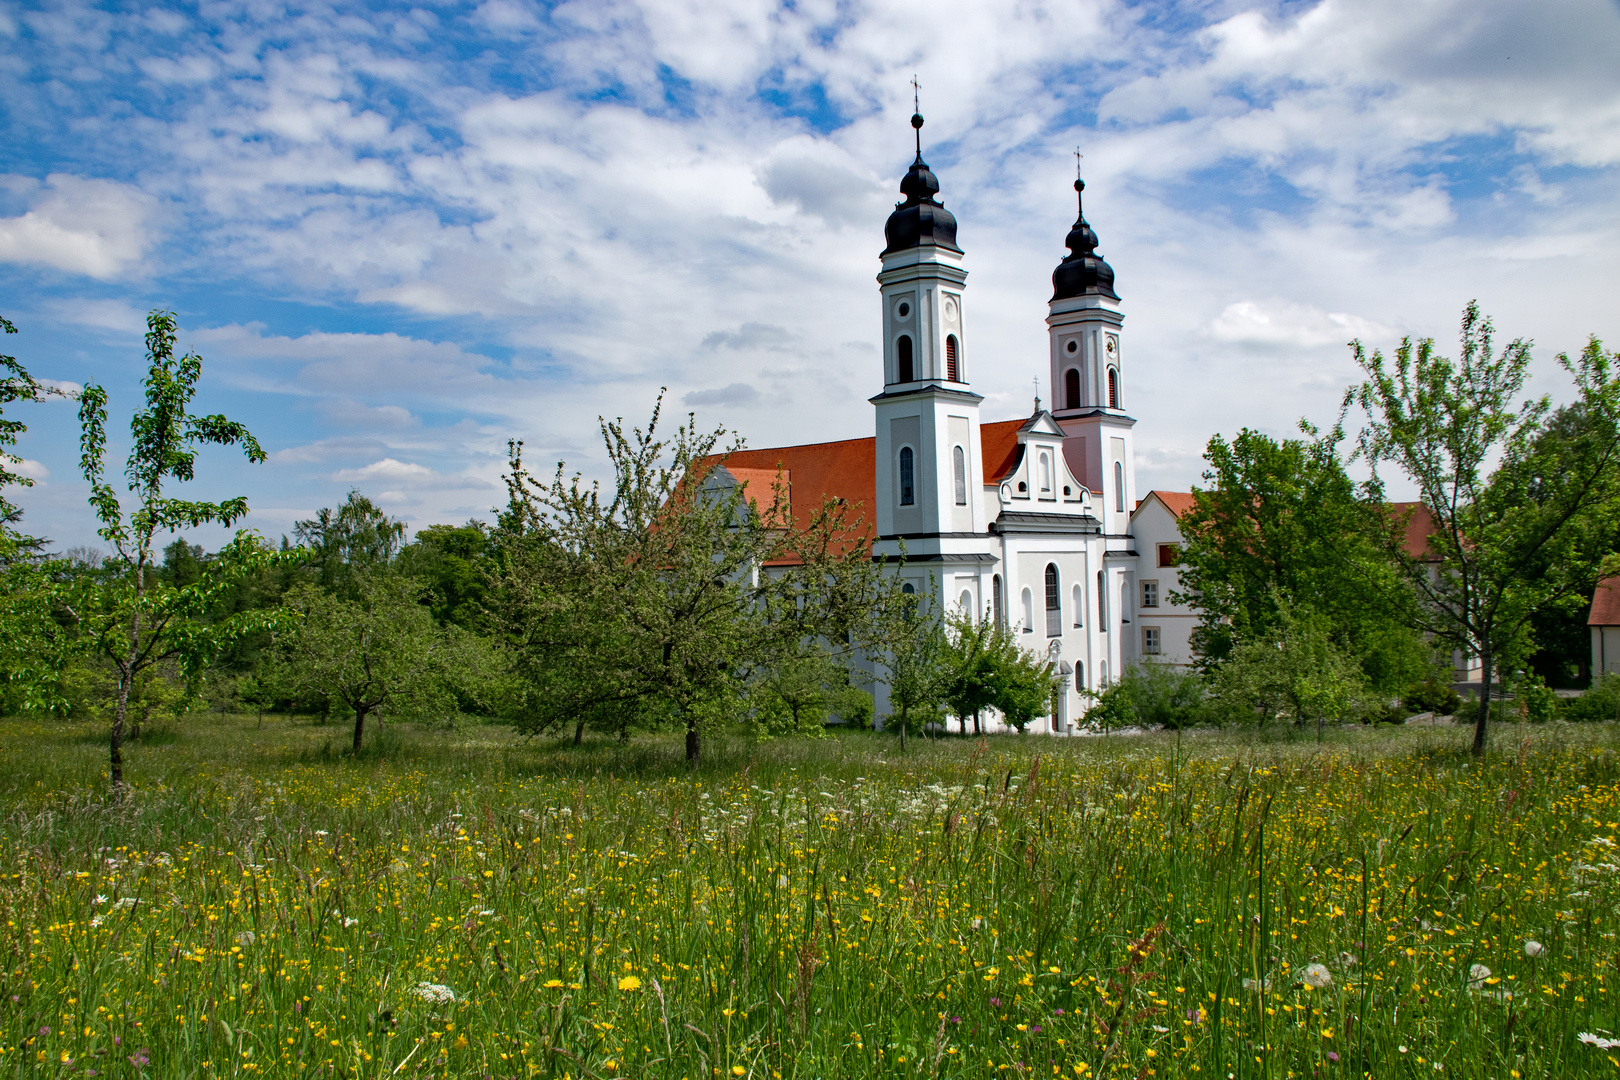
[[1080, 676], [1119, 486], [959, 474], [1046, 473], [998, 603], [1113, 388], [965, 602], [903, 368], [1054, 609], [1071, 389], [1077, 600], [909, 591], [952, 369], [1102, 603], [907, 476], [1029, 613]]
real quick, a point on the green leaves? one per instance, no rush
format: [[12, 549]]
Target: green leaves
[[1507, 541]]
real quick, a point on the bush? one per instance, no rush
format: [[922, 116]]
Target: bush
[[1432, 695], [1393, 713], [1601, 702], [1537, 702], [1151, 694]]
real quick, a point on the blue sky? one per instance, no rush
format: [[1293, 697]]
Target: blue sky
[[400, 236]]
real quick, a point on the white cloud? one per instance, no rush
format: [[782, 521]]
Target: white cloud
[[29, 468], [85, 226], [387, 470], [1281, 323]]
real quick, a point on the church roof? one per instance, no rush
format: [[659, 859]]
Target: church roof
[[1605, 604], [1419, 526], [920, 220], [1082, 272]]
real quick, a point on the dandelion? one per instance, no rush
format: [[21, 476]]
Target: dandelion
[[553, 984], [1317, 977], [781, 881], [434, 993], [1533, 948], [1477, 974], [629, 982], [246, 938], [350, 922], [124, 903]]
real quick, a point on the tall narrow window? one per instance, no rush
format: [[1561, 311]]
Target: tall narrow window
[[1080, 676], [953, 370], [1054, 609], [998, 603], [1071, 389], [1077, 599], [1046, 473], [959, 474], [1113, 388], [965, 602], [907, 494], [1028, 613], [1119, 486], [909, 591], [1102, 603], [903, 367]]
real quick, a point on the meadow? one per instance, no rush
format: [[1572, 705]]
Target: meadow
[[468, 904]]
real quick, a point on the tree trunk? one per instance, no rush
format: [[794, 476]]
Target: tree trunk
[[903, 727], [579, 731], [359, 725], [978, 729], [1483, 717], [691, 742], [115, 769]]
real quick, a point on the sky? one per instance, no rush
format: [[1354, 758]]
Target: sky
[[401, 236]]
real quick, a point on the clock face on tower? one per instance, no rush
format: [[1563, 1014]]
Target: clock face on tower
[[1112, 347], [950, 309]]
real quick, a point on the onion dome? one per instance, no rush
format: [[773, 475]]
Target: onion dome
[[1082, 272], [920, 219]]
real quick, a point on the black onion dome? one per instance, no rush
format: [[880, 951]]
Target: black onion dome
[[1082, 272], [920, 219]]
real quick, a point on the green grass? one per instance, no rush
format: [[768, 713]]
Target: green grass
[[262, 904]]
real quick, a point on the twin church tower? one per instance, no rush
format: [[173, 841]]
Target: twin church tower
[[1028, 521]]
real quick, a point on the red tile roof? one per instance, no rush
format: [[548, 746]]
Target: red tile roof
[[1419, 527], [999, 441], [1177, 502], [1605, 604]]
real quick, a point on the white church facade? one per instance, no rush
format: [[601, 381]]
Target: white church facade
[[1035, 520]]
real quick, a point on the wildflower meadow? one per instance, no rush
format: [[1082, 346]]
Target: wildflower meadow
[[468, 904]]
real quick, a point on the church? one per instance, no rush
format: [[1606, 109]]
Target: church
[[1034, 520]]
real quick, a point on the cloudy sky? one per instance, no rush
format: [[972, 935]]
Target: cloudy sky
[[400, 236]]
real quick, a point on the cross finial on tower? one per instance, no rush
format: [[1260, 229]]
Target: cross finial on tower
[[1037, 382], [1077, 156], [916, 112]]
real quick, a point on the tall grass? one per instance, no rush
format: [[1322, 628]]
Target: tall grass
[[467, 904]]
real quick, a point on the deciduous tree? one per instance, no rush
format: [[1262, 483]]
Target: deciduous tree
[[127, 613], [1509, 540]]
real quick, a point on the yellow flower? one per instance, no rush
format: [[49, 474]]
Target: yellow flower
[[737, 1070], [461, 1042], [1327, 1033], [629, 982], [553, 984]]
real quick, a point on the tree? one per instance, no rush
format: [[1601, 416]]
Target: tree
[[1296, 668], [31, 643], [453, 564], [986, 668], [1509, 542], [912, 645], [379, 650], [1282, 524], [797, 694], [349, 542], [669, 592], [128, 613]]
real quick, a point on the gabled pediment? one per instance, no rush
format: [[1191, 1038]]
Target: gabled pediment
[[1040, 425]]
